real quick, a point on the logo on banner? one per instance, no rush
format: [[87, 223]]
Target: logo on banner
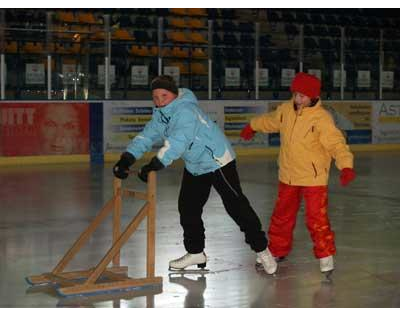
[[391, 110], [386, 128]]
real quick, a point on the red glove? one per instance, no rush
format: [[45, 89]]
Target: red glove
[[247, 132], [346, 176]]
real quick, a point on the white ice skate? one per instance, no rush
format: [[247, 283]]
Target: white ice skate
[[268, 261], [326, 266], [277, 259], [190, 259]]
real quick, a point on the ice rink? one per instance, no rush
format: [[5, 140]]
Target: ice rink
[[45, 208]]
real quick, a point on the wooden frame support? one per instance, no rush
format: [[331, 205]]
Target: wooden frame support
[[102, 278]]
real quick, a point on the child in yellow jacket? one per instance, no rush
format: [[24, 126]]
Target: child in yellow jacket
[[309, 141]]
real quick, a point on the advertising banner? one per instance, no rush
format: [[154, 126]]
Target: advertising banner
[[123, 120], [353, 118], [386, 122], [44, 128], [236, 115]]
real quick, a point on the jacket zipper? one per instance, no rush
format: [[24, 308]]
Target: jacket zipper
[[310, 129], [291, 135], [315, 170], [294, 124]]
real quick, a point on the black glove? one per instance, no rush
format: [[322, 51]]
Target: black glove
[[153, 165], [121, 168]]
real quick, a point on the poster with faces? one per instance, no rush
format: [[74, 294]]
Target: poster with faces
[[287, 75], [363, 78], [263, 77], [336, 78]]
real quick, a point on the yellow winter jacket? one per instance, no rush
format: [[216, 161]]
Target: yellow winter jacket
[[309, 140]]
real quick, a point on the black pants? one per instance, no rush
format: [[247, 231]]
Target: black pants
[[194, 193]]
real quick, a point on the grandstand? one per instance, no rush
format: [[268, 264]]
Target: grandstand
[[360, 40]]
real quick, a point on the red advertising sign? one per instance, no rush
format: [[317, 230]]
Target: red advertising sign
[[44, 128]]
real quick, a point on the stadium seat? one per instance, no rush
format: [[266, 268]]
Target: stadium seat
[[199, 69], [178, 11], [196, 12], [197, 38]]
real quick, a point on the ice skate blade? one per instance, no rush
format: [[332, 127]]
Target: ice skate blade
[[201, 269], [188, 271], [328, 275], [259, 268]]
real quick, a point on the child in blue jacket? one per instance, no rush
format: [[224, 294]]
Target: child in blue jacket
[[188, 133]]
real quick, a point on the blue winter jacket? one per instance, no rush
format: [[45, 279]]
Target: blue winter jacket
[[188, 133]]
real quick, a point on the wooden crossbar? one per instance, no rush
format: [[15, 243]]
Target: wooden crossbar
[[107, 286], [73, 275], [102, 278], [134, 194]]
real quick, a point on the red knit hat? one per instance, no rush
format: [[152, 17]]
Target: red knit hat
[[306, 84]]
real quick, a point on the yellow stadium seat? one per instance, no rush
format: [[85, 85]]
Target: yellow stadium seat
[[178, 37], [121, 34], [80, 28], [198, 12], [74, 48], [140, 50], [199, 53], [60, 49], [199, 69], [61, 32], [166, 52], [197, 38], [100, 35], [183, 68], [51, 48], [178, 11], [87, 18], [196, 23], [67, 17], [178, 23], [96, 28], [33, 48], [153, 51], [179, 52], [11, 47]]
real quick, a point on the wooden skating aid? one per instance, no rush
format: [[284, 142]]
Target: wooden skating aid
[[101, 278]]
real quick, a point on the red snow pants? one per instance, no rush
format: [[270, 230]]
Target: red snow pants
[[283, 220]]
